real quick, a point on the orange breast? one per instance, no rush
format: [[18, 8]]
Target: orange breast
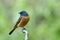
[[23, 21]]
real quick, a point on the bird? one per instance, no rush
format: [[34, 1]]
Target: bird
[[22, 21]]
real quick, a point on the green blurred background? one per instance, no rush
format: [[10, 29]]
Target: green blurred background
[[44, 21]]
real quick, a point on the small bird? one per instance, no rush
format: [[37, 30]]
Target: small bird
[[22, 21]]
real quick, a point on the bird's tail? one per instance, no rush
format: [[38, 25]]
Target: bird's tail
[[12, 30]]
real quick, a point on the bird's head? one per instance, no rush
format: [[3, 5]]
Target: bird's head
[[23, 13]]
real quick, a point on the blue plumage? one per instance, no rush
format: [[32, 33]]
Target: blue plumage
[[23, 13]]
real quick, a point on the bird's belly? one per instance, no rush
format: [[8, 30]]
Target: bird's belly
[[23, 21]]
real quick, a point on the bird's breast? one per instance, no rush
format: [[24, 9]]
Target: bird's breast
[[24, 21]]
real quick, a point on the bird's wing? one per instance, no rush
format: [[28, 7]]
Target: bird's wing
[[18, 21], [15, 26]]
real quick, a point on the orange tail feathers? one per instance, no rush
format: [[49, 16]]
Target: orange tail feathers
[[12, 30]]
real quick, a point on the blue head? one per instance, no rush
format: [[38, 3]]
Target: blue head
[[23, 13]]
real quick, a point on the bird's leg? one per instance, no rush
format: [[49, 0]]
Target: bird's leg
[[25, 32]]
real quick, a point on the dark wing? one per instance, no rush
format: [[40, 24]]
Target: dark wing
[[18, 21], [15, 26]]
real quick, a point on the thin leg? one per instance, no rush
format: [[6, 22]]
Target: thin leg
[[26, 33]]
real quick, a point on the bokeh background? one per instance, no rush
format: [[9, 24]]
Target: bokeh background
[[44, 21]]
